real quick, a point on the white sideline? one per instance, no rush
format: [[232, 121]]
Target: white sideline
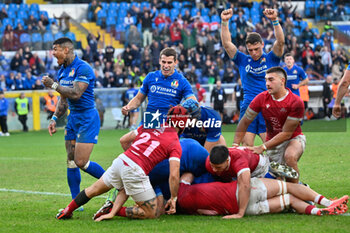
[[40, 193]]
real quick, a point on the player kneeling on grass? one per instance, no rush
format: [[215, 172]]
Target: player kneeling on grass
[[266, 196], [129, 172]]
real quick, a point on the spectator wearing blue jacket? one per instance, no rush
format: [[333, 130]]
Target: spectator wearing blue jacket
[[4, 105]]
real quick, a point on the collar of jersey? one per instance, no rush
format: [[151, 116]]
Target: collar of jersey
[[73, 62], [282, 98]]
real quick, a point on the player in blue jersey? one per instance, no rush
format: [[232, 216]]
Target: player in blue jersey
[[296, 76], [75, 83], [134, 114], [206, 127], [252, 67], [342, 90], [164, 88]]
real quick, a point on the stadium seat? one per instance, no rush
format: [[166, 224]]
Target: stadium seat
[[25, 40], [296, 32], [34, 6], [12, 7], [206, 18], [174, 13], [110, 22], [104, 5], [183, 10], [205, 11], [23, 7], [303, 25], [176, 4], [123, 6], [22, 14], [101, 15], [112, 13], [59, 35], [34, 13], [135, 4], [187, 4], [113, 6], [194, 11], [215, 18], [254, 12], [12, 14], [48, 39], [44, 13], [7, 21], [21, 21], [165, 12], [37, 41], [70, 35], [145, 4], [256, 19], [315, 31]]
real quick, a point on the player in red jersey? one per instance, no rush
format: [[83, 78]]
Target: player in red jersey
[[283, 112], [129, 172], [266, 196]]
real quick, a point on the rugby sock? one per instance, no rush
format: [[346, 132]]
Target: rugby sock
[[74, 178], [311, 210], [112, 195], [122, 212], [80, 200], [93, 169], [321, 200]]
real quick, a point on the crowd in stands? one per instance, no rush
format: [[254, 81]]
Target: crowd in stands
[[191, 27]]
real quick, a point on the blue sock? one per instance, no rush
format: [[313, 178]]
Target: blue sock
[[270, 176], [74, 178], [95, 170]]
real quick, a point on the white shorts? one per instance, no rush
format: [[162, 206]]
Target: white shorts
[[277, 154], [125, 173], [258, 203], [262, 168]]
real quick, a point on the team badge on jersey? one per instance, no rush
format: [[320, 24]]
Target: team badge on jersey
[[175, 83], [295, 72], [263, 60], [71, 73]]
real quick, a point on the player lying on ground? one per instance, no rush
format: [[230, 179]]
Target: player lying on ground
[[266, 196], [129, 172]]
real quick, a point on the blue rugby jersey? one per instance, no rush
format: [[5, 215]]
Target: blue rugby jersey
[[192, 160], [163, 92], [253, 73], [78, 71], [211, 133], [294, 76], [131, 93], [348, 66]]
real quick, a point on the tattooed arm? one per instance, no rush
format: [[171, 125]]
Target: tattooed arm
[[61, 108], [73, 93]]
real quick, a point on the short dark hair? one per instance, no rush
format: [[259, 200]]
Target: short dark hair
[[218, 154], [62, 40], [65, 42], [288, 55], [279, 70], [168, 52], [253, 38]]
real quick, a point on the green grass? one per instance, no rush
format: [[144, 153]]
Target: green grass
[[35, 161]]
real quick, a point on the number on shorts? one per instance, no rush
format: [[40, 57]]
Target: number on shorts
[[144, 137]]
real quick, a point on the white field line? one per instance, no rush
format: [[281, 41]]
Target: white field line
[[39, 193]]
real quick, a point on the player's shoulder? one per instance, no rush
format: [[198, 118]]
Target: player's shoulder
[[294, 99], [209, 112], [82, 65]]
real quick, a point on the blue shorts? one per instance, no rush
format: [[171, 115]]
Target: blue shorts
[[258, 124], [83, 126]]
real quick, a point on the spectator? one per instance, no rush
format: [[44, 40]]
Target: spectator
[[3, 84], [167, 4], [109, 54], [134, 36], [54, 27], [38, 85], [128, 21], [119, 78], [146, 23], [127, 56], [16, 62], [161, 18], [175, 32], [10, 82], [3, 13], [201, 94], [218, 95], [326, 60], [50, 101], [327, 96], [22, 109], [4, 105], [32, 21], [93, 9], [29, 83], [307, 35], [93, 43]]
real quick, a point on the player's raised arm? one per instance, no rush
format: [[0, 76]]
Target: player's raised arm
[[226, 41], [278, 46]]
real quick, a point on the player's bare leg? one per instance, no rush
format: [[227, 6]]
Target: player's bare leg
[[292, 155], [127, 139], [82, 153], [263, 137], [143, 210]]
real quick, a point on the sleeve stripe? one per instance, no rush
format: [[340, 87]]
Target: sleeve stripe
[[174, 158], [294, 118], [242, 170], [252, 111]]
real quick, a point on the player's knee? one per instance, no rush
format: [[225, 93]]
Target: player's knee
[[82, 163], [291, 159], [151, 214]]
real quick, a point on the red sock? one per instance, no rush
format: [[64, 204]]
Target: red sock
[[309, 208], [122, 212], [72, 206]]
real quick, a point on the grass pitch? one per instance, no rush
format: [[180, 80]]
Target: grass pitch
[[36, 162]]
